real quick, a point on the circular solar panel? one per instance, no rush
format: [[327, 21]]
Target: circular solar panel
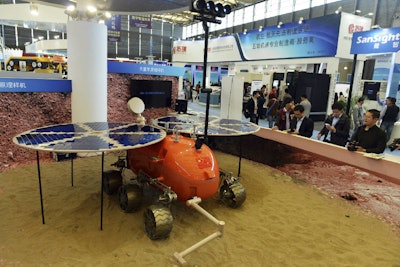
[[216, 126], [89, 137]]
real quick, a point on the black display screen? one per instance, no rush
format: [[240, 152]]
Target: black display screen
[[155, 94]]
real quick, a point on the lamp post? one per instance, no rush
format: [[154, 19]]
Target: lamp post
[[208, 12]]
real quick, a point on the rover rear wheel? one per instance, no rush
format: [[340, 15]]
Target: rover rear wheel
[[112, 180], [130, 197], [158, 222], [232, 195]]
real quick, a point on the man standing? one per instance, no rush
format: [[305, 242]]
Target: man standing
[[300, 124], [389, 115], [283, 116], [306, 104], [370, 138], [188, 90], [253, 108], [337, 126], [358, 114]]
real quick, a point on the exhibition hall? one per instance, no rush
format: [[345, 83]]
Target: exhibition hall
[[200, 133]]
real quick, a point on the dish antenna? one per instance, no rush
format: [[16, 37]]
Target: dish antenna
[[136, 105]]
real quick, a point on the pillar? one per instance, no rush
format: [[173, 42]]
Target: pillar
[[87, 68]]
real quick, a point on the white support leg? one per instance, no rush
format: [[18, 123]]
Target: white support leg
[[194, 203]]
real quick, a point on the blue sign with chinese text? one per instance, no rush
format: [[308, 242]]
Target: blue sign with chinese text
[[34, 85], [114, 28], [376, 41], [312, 38], [134, 68]]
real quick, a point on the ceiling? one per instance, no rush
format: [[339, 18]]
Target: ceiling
[[174, 11]]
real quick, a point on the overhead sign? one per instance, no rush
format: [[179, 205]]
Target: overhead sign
[[34, 85], [134, 68], [114, 28], [376, 41], [140, 21], [316, 37]]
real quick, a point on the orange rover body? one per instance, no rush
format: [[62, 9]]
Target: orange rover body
[[176, 163]]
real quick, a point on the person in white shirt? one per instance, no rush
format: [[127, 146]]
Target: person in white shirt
[[306, 104]]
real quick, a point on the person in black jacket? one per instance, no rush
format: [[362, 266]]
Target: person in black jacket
[[301, 124], [253, 107], [389, 115], [337, 126], [369, 137]]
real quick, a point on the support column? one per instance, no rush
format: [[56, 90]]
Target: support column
[[87, 68]]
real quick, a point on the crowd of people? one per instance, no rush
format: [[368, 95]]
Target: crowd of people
[[371, 128]]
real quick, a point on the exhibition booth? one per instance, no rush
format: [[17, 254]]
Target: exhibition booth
[[307, 57]]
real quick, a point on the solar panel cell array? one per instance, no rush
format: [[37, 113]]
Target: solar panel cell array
[[92, 136]]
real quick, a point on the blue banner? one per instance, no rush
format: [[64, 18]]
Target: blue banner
[[376, 41], [312, 38], [133, 68], [140, 21], [114, 28], [34, 85]]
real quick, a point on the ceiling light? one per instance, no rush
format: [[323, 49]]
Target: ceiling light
[[34, 9]]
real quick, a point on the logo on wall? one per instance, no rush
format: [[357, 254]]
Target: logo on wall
[[355, 28], [181, 49]]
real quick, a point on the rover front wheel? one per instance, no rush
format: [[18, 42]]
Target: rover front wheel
[[158, 222], [232, 195]]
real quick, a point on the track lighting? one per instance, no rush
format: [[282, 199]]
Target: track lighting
[[89, 14]]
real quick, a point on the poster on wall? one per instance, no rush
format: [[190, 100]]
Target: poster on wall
[[198, 75], [114, 28], [214, 76]]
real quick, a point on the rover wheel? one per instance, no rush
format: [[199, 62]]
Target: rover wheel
[[130, 197], [33, 64], [9, 67], [233, 196], [112, 180], [11, 63], [158, 222], [39, 64]]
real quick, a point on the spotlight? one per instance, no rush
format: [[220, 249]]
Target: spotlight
[[260, 28], [301, 20], [280, 23], [338, 10], [72, 12], [198, 5], [209, 11], [34, 9], [245, 31], [91, 12]]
